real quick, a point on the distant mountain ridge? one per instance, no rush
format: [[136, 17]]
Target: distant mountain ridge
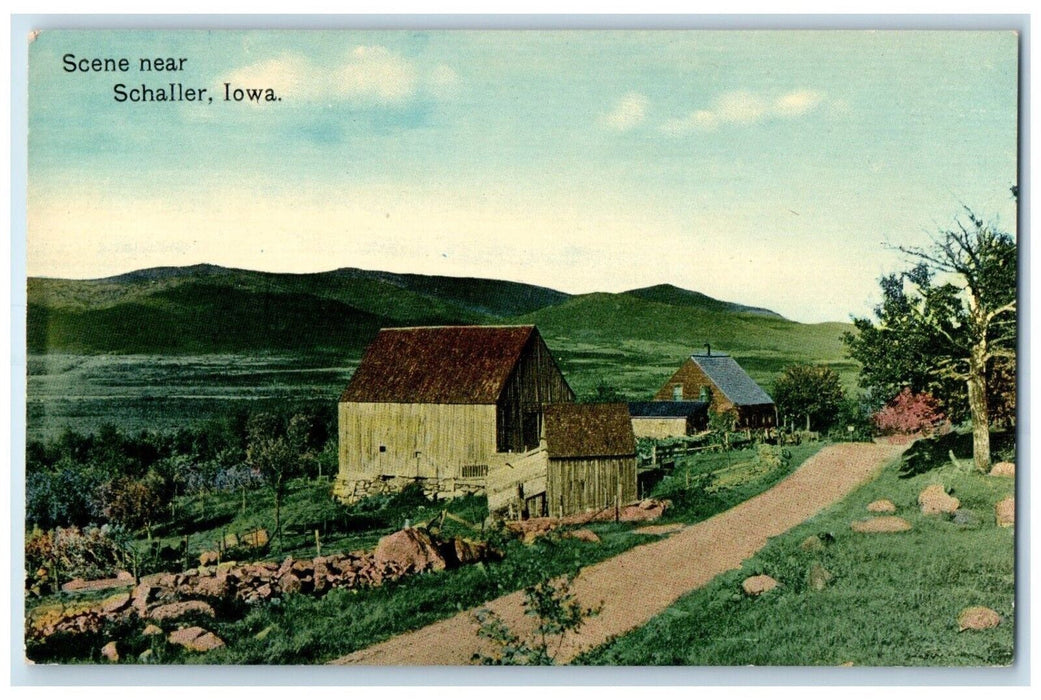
[[209, 308]]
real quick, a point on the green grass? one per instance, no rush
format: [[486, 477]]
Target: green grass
[[305, 629], [894, 600]]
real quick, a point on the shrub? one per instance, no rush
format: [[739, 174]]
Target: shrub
[[909, 414], [134, 503], [89, 553]]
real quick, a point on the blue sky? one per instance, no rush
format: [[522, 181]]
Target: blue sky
[[764, 167]]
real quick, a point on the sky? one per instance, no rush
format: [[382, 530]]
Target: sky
[[771, 168]]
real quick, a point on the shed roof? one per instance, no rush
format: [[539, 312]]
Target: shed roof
[[666, 409], [733, 381], [438, 364], [589, 430]]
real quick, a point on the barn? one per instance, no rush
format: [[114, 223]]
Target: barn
[[665, 419], [434, 404], [719, 380], [586, 462]]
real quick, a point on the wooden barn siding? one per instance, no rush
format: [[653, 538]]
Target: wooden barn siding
[[447, 437], [578, 485], [535, 382], [659, 428], [508, 471]]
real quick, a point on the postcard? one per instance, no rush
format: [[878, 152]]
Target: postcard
[[522, 347]]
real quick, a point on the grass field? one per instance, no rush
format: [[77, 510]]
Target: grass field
[[167, 392], [894, 599], [304, 629]]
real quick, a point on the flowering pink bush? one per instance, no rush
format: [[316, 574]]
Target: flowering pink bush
[[909, 413]]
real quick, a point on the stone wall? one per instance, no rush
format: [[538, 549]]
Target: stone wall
[[352, 490]]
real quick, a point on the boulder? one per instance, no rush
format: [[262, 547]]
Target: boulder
[[468, 552], [218, 587], [757, 585], [230, 540], [411, 548], [110, 653], [195, 639], [116, 603], [125, 576], [1005, 469], [142, 596], [882, 523], [172, 611], [584, 534], [289, 583], [151, 630], [883, 505], [965, 518], [977, 618], [819, 577], [1005, 512], [209, 558], [934, 500]]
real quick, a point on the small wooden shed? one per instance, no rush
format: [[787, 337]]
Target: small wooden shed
[[592, 457], [719, 380], [586, 462], [433, 404]]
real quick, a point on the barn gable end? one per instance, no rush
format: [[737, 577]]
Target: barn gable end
[[433, 404]]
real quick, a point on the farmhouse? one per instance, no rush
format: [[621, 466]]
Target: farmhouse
[[664, 419], [586, 462], [434, 405], [717, 379]]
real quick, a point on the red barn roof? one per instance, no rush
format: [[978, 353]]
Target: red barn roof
[[589, 430], [438, 364]]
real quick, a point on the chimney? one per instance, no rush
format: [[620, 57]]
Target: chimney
[[708, 349]]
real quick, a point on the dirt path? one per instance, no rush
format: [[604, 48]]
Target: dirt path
[[641, 582]]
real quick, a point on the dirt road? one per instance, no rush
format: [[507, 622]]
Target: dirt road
[[638, 584]]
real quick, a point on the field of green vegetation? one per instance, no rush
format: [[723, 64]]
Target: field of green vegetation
[[894, 600], [174, 347], [304, 629]]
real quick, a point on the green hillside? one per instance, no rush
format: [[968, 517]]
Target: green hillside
[[676, 296], [630, 341], [634, 345], [203, 317]]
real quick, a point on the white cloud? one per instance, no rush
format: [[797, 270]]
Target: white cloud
[[799, 102], [443, 82], [368, 74], [743, 108], [629, 113], [375, 73]]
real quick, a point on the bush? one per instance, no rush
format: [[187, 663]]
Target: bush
[[74, 553], [909, 414], [68, 495]]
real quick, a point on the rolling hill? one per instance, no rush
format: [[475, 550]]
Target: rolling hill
[[631, 340]]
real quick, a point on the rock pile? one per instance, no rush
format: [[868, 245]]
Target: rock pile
[[203, 591], [647, 509]]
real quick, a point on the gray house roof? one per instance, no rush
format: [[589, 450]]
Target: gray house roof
[[667, 409], [733, 381]]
